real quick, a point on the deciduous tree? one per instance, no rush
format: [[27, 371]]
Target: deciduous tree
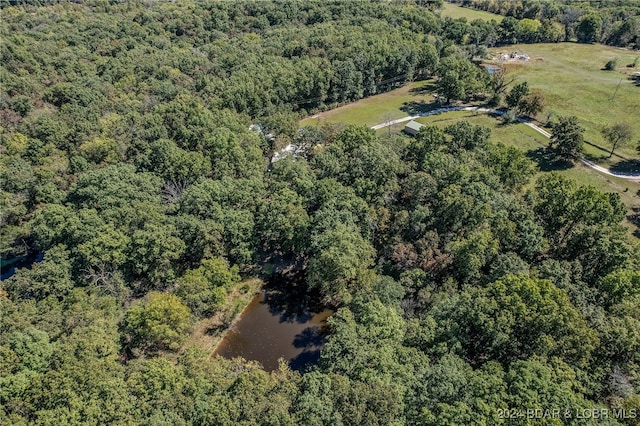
[[567, 138], [618, 135]]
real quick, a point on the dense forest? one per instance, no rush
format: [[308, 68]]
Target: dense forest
[[462, 288], [612, 22]]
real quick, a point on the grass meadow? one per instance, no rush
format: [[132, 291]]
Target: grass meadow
[[454, 11], [570, 77]]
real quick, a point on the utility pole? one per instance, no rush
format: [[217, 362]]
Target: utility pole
[[616, 92]]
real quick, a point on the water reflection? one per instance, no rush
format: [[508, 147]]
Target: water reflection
[[8, 266], [283, 321]]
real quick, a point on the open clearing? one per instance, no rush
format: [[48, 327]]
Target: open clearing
[[453, 11], [572, 82], [375, 109], [571, 79]]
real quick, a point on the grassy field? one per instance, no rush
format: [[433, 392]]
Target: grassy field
[[570, 77], [453, 11], [375, 109]]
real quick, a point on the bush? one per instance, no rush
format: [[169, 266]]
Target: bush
[[509, 116], [495, 100], [611, 65]]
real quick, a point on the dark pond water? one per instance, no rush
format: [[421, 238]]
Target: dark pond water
[[8, 266], [283, 321]]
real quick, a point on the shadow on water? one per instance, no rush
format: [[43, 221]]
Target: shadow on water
[[288, 297], [310, 337], [547, 160], [304, 360], [8, 266], [285, 321]]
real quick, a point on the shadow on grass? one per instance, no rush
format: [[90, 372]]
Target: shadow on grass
[[595, 158], [425, 89], [635, 219], [215, 330], [418, 107], [626, 167], [547, 160]]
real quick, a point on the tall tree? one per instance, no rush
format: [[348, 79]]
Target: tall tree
[[159, 322], [567, 138], [618, 135], [588, 30], [519, 91]]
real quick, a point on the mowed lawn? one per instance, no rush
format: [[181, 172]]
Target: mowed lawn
[[375, 109], [454, 11], [570, 77]]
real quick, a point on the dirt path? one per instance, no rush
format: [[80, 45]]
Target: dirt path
[[628, 176]]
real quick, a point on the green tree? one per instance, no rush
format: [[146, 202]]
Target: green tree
[[564, 206], [618, 135], [52, 276], [511, 165], [528, 30], [620, 285], [204, 289], [340, 255], [365, 342], [567, 139], [531, 104], [154, 249], [283, 222], [516, 94], [450, 86], [515, 318], [588, 30], [158, 322]]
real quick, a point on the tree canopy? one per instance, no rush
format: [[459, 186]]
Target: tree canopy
[[140, 194]]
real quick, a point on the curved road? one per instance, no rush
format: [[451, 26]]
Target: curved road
[[629, 176]]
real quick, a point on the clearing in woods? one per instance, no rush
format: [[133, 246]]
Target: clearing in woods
[[453, 11], [570, 77], [572, 81]]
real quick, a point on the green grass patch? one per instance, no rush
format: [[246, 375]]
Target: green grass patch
[[571, 78], [379, 108], [454, 11], [519, 135]]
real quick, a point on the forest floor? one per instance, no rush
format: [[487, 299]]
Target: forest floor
[[208, 332]]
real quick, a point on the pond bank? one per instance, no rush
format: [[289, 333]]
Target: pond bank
[[284, 321]]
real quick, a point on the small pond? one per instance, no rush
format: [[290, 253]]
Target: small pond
[[8, 266], [283, 321]]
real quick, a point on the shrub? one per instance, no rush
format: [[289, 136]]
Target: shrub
[[611, 65], [509, 116]]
